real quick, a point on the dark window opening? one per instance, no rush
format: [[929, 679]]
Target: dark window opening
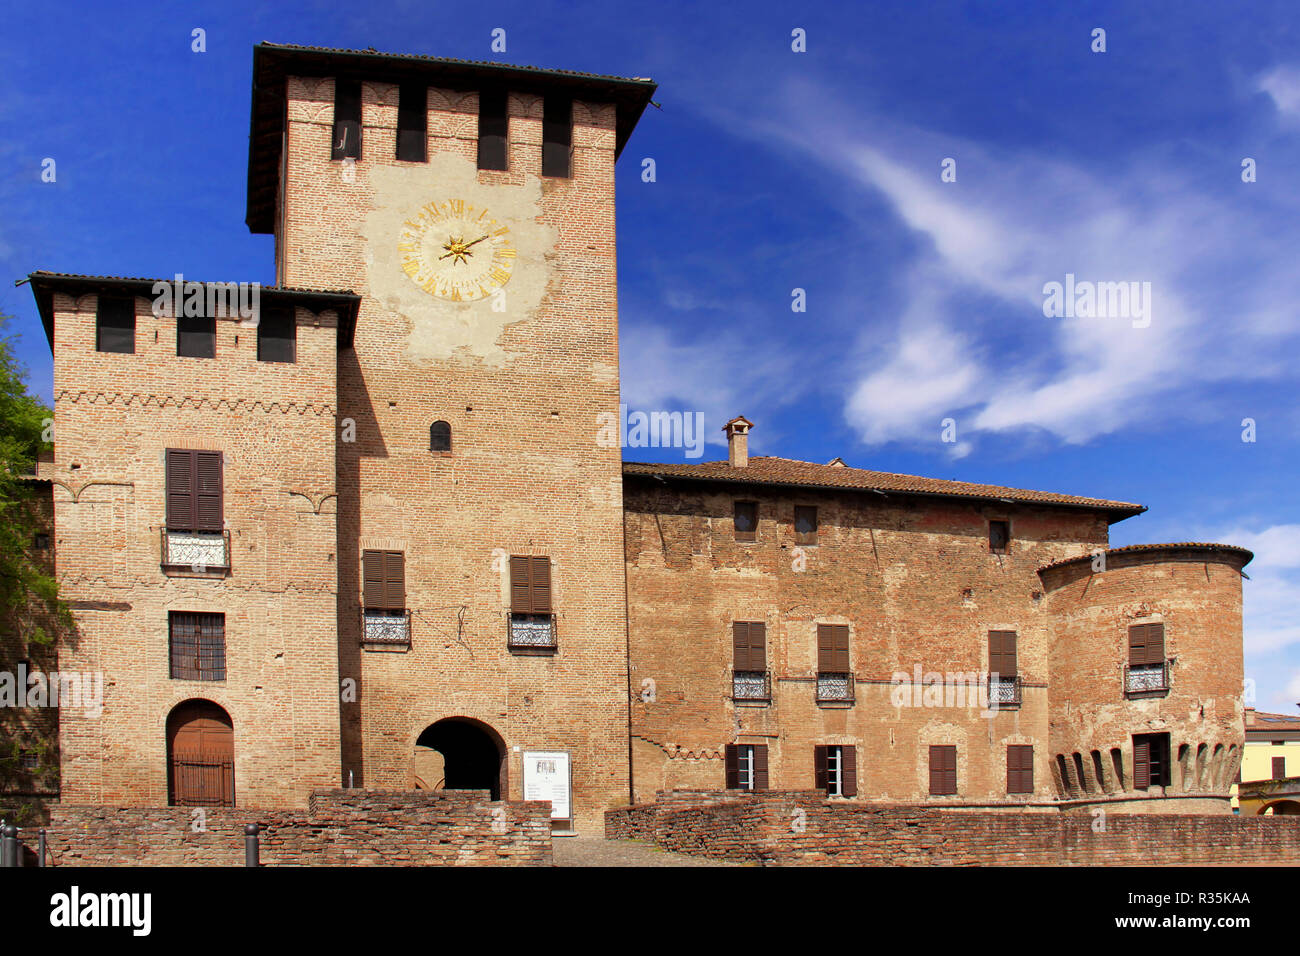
[[805, 524], [277, 335], [347, 120], [115, 324], [493, 130], [413, 123], [835, 770], [746, 766], [999, 536], [28, 761], [746, 517], [440, 436], [557, 137], [1150, 761], [198, 646], [41, 541], [196, 336]]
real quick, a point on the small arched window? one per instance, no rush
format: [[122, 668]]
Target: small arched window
[[440, 437]]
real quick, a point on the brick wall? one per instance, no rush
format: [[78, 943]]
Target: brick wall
[[341, 827], [803, 828]]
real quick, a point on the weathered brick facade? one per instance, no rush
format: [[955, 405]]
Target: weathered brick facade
[[334, 455]]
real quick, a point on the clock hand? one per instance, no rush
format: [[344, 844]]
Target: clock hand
[[475, 242]]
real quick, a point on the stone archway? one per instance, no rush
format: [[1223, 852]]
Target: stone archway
[[460, 753], [200, 755], [1288, 808]]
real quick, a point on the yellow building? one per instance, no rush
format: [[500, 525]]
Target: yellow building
[[1272, 753]]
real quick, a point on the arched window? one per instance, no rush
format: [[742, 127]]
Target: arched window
[[439, 437]]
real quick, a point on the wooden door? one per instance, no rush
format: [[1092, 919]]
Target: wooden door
[[201, 756]]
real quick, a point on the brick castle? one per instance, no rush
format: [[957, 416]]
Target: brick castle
[[366, 536]]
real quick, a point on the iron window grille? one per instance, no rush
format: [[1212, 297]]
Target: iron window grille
[[1146, 680], [198, 646], [196, 551], [532, 632], [835, 688], [1004, 691], [391, 628], [751, 685]]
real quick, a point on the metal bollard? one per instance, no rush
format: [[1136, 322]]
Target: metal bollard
[[9, 845], [251, 847], [40, 845]]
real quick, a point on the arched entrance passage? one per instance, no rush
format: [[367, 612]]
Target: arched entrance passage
[[1288, 808], [473, 756], [200, 755]]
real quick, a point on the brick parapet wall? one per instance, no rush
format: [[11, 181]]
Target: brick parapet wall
[[799, 828], [342, 827]]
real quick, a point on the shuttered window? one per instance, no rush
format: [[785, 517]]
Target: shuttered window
[[833, 648], [835, 769], [530, 585], [746, 766], [1002, 654], [493, 129], [1020, 768], [196, 336], [999, 536], [115, 324], [1146, 644], [1150, 761], [197, 645], [1279, 768], [557, 137], [277, 334], [383, 576], [194, 490], [746, 518], [805, 524], [412, 122], [749, 644], [943, 769], [347, 120]]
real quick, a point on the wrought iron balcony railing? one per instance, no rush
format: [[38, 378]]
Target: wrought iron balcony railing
[[386, 627], [1004, 691], [532, 632], [834, 688], [196, 551], [751, 685], [1146, 680]]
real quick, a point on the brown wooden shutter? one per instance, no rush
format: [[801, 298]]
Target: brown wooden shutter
[[760, 767], [1155, 643], [521, 590], [825, 648], [833, 648], [1137, 645], [848, 771], [1002, 653], [541, 585], [740, 645], [207, 491], [372, 579], [749, 645], [943, 769], [1279, 768], [394, 580], [1141, 763], [840, 632], [1020, 768], [180, 490], [820, 775], [732, 762]]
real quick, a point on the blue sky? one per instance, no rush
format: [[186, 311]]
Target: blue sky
[[820, 170]]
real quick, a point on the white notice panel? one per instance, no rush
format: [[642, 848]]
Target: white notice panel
[[546, 777]]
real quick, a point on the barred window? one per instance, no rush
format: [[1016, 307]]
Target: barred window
[[198, 645]]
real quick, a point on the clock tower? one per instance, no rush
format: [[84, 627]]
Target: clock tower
[[482, 612]]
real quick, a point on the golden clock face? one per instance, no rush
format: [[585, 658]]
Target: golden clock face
[[455, 250]]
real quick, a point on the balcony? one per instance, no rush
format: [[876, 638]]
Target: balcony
[[197, 552], [386, 628], [834, 688], [532, 634], [751, 686], [1147, 680], [1004, 691]]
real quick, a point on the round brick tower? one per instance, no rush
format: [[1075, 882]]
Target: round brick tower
[[1145, 691]]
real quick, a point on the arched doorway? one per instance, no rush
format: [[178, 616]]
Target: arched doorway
[[200, 755], [1289, 808], [473, 757]]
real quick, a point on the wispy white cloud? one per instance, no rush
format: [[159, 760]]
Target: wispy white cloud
[[1282, 84]]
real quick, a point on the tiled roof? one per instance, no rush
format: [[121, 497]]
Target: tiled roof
[[1172, 546], [1265, 722], [44, 283], [786, 471]]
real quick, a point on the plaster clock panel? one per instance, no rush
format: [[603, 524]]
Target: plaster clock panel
[[457, 260]]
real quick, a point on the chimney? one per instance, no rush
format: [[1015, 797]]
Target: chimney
[[738, 441]]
